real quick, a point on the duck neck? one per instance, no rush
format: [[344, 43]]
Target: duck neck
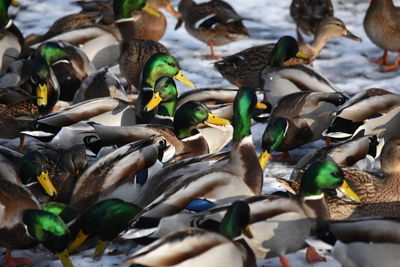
[[320, 39], [318, 206], [244, 159], [167, 108], [241, 124], [128, 31]]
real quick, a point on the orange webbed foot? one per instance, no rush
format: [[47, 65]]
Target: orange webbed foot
[[312, 256]]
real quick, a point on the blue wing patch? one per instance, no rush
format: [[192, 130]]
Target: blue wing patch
[[198, 205]]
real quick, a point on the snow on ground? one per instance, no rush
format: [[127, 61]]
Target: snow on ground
[[345, 62]]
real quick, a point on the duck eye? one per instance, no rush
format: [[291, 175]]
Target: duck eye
[[336, 174]]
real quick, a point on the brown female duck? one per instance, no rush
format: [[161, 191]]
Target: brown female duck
[[381, 23], [214, 23]]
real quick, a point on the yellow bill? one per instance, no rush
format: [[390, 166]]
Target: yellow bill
[[260, 105], [182, 78], [348, 192], [213, 119], [79, 239], [263, 159], [147, 8], [46, 183], [100, 248], [41, 92], [302, 55], [64, 258], [15, 3], [247, 232], [155, 100]]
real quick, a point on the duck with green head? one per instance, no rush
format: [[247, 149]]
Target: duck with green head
[[295, 217], [240, 175], [69, 64], [157, 66], [214, 245], [49, 230], [245, 67], [55, 169], [104, 220], [298, 119], [11, 40]]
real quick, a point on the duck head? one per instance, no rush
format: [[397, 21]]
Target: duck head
[[165, 96], [323, 175], [236, 221], [123, 9], [272, 138], [34, 166], [191, 114], [50, 231], [284, 49], [160, 65], [105, 219]]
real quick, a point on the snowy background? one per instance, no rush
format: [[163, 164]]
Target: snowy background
[[345, 62]]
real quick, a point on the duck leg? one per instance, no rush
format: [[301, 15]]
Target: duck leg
[[21, 144], [284, 262], [312, 255], [9, 261], [212, 55], [394, 66], [381, 60]]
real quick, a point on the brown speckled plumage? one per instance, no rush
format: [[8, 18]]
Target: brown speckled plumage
[[16, 113]]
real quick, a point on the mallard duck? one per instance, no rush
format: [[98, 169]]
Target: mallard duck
[[360, 152], [371, 112], [278, 82], [113, 173], [375, 192], [184, 138], [366, 242], [381, 25], [23, 225], [134, 52], [240, 175], [216, 248], [245, 67], [214, 23], [308, 14], [100, 83], [104, 220], [55, 169], [11, 40], [298, 119], [69, 64]]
